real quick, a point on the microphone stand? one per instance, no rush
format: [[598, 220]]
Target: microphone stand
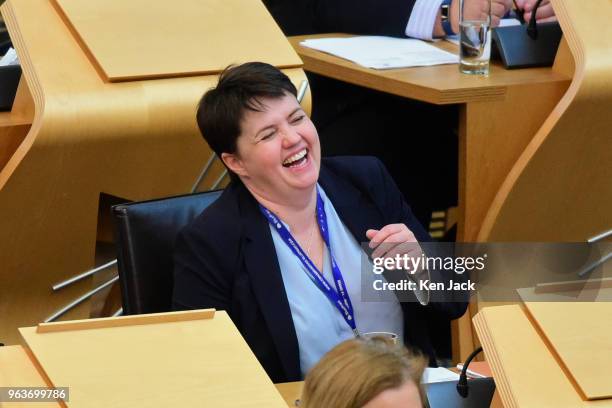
[[462, 384]]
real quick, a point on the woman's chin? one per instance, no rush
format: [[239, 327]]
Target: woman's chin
[[304, 181]]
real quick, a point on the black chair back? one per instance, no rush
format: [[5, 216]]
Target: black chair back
[[145, 234]]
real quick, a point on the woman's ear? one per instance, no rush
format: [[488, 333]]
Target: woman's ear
[[233, 162]]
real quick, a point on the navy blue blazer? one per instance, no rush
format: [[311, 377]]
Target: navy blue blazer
[[225, 259]]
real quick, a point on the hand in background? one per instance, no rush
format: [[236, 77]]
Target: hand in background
[[478, 9], [545, 12]]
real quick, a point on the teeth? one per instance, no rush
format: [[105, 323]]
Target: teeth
[[295, 157]]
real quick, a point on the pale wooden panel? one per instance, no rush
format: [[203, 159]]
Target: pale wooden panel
[[559, 188], [18, 370], [492, 137], [526, 373], [442, 84], [134, 140], [139, 39], [203, 363], [580, 334], [121, 321]]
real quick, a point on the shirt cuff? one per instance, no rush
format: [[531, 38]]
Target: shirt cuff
[[421, 295], [423, 18]]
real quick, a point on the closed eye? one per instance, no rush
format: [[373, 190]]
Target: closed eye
[[297, 119], [267, 136]]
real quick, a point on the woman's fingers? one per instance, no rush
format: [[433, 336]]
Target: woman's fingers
[[390, 240]]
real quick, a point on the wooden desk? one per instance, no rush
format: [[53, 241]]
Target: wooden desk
[[499, 114], [17, 369]]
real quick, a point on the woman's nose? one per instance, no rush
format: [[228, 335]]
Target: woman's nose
[[290, 137]]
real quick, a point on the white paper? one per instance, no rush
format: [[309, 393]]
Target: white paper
[[383, 52], [10, 58], [471, 373], [506, 22], [439, 374]]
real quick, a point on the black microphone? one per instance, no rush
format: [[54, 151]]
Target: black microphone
[[462, 384], [532, 28]]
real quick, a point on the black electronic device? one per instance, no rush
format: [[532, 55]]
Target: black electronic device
[[527, 45], [518, 50], [445, 395]]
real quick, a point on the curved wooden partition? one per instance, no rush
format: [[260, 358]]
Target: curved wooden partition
[[135, 140], [560, 189]]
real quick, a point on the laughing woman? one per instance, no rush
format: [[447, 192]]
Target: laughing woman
[[280, 246]]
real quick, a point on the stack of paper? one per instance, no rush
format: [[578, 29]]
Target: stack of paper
[[383, 52]]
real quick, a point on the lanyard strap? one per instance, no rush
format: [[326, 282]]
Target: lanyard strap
[[339, 297]]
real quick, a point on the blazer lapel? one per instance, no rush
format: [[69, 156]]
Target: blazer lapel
[[355, 209], [267, 283]]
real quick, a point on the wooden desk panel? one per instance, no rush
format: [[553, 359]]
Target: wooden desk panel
[[579, 334], [140, 39], [441, 84], [18, 370]]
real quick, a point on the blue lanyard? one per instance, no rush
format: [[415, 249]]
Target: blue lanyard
[[339, 297]]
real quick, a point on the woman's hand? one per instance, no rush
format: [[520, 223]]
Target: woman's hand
[[393, 240]]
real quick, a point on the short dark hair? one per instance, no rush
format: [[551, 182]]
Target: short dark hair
[[240, 87]]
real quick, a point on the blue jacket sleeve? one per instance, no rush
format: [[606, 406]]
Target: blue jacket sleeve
[[454, 303]]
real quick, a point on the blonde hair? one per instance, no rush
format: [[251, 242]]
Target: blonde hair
[[357, 370]]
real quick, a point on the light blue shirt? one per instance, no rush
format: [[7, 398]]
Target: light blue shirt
[[318, 324]]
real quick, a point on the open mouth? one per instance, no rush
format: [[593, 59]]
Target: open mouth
[[297, 159]]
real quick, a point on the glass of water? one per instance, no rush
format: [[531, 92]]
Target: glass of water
[[474, 36]]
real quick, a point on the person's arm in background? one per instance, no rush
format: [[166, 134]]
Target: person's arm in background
[[545, 12], [398, 18], [499, 8], [365, 17]]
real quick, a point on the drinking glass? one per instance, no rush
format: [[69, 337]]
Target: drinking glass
[[474, 36]]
